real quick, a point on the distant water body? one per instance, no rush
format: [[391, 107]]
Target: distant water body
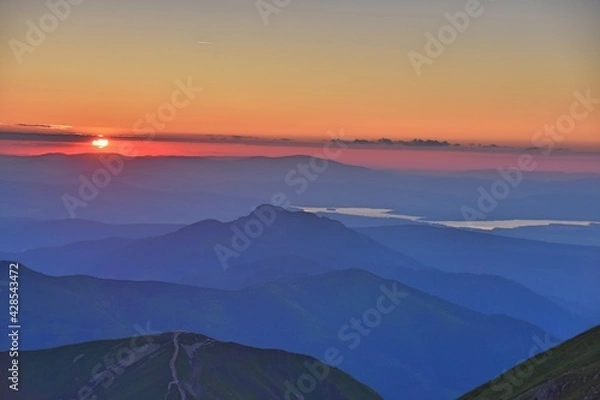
[[483, 225]]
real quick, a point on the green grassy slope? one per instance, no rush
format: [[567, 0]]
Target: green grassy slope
[[568, 371], [175, 366]]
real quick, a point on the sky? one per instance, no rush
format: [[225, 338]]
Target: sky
[[298, 71]]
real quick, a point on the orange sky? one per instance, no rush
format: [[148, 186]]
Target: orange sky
[[313, 68]]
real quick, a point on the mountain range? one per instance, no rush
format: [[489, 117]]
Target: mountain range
[[387, 335], [299, 244], [183, 190], [565, 271], [263, 305]]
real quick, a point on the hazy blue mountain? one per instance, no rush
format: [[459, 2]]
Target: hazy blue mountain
[[197, 188], [190, 255], [78, 255], [496, 295], [117, 203], [556, 233], [177, 366], [566, 271], [411, 346], [416, 312], [296, 244], [27, 234]]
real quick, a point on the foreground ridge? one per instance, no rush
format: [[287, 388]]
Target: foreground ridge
[[568, 371], [171, 366]]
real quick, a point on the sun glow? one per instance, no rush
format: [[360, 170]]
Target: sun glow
[[100, 143]]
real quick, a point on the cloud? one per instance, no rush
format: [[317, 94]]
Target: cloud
[[57, 136], [46, 126], [41, 137], [414, 142]]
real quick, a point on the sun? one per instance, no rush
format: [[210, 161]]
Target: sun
[[100, 143]]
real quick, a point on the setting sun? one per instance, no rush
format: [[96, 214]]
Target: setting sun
[[100, 142]]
